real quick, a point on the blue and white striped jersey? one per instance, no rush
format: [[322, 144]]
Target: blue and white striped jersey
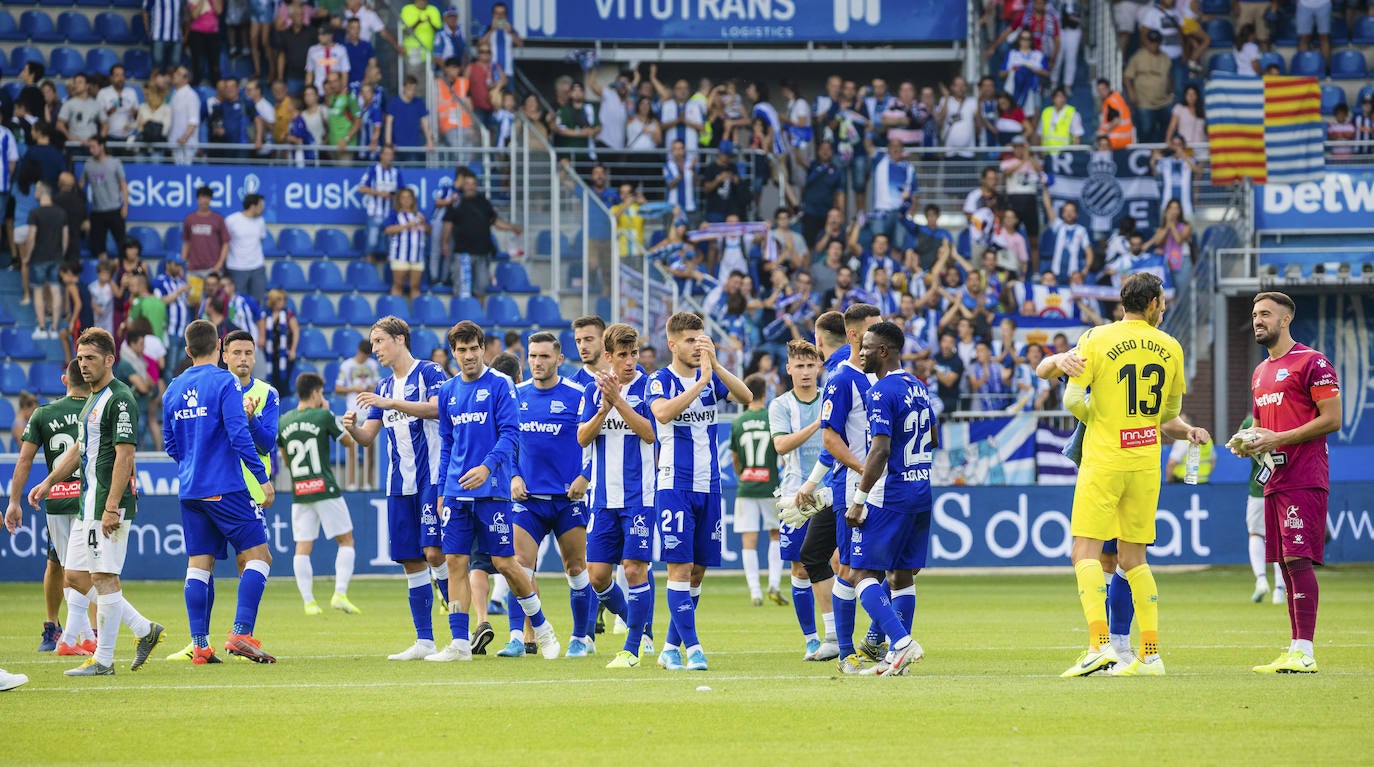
[[842, 411], [688, 448], [770, 113], [408, 246], [164, 20], [383, 180], [412, 443], [683, 195], [622, 474], [179, 311], [891, 181], [550, 458], [9, 153]]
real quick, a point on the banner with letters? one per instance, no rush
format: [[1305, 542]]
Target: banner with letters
[[989, 451], [1342, 200], [737, 21], [1107, 186], [971, 527], [329, 196]]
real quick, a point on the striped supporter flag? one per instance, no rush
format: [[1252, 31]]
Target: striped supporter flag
[[1267, 130]]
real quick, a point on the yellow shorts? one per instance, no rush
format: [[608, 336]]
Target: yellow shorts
[[1191, 27], [1111, 504]]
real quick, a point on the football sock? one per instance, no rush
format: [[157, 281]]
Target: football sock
[[751, 572], [674, 639], [1120, 608], [804, 602], [877, 604], [209, 599], [1303, 595], [682, 615], [197, 596], [774, 565], [653, 597], [1287, 572], [1257, 556], [532, 606], [458, 624], [515, 616], [1092, 593], [251, 585], [499, 588], [1145, 596], [828, 622], [78, 617], [305, 574], [620, 579], [904, 602], [614, 599], [110, 613], [135, 620], [1278, 576], [843, 599], [343, 569], [580, 598], [641, 609], [440, 576], [421, 603]]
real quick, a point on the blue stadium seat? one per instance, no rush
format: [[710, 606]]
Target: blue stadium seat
[[504, 312], [1222, 62], [1284, 33], [326, 276], [333, 243], [45, 377], [114, 30], [18, 344], [1216, 7], [305, 366], [566, 339], [290, 401], [423, 342], [296, 242], [76, 28], [139, 29], [345, 343], [360, 240], [331, 375], [12, 379], [1331, 96], [171, 243], [11, 88], [1273, 57], [1363, 33], [317, 309], [313, 345], [512, 278], [603, 308], [101, 60], [23, 54], [270, 247], [122, 3], [289, 276], [1366, 94], [38, 26], [961, 243], [363, 277], [1340, 31], [392, 305], [149, 239], [355, 310], [429, 310], [9, 30], [6, 415], [543, 243], [1222, 33], [543, 311], [66, 62], [1349, 64], [466, 309], [1307, 64]]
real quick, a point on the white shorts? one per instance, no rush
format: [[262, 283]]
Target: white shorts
[[1254, 516], [749, 512], [1127, 15], [307, 518], [21, 234], [398, 265], [89, 551], [60, 534]]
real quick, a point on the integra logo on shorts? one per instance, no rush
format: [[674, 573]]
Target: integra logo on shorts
[[460, 419], [640, 528], [1272, 398]]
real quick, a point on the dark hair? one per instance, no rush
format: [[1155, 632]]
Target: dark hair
[[891, 335], [1138, 290], [205, 191], [857, 313], [832, 325], [1281, 299], [758, 385], [545, 337], [201, 339], [365, 347], [1104, 81], [507, 364], [589, 319], [236, 335], [29, 172], [307, 384], [934, 207], [466, 332], [74, 377], [249, 200], [762, 89], [97, 138], [99, 338], [683, 321]]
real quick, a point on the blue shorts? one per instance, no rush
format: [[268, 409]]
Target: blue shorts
[[890, 540], [376, 241], [479, 562], [210, 527], [1109, 547], [857, 171], [841, 526], [44, 273], [616, 535], [791, 539], [690, 525], [484, 523], [412, 523], [541, 516]]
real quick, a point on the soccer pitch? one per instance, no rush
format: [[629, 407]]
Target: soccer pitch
[[988, 691]]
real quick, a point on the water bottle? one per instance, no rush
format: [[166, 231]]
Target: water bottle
[[1193, 461], [465, 276]]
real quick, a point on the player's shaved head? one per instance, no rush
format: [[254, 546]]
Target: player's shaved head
[[74, 380], [832, 325], [202, 339]]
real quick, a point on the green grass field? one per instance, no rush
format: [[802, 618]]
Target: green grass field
[[987, 693]]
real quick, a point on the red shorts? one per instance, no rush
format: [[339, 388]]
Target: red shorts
[[1295, 524]]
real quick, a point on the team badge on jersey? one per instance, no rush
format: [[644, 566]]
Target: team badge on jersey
[[1282, 374], [482, 395], [557, 407]]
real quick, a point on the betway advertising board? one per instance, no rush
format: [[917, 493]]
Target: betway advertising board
[[972, 527], [1342, 200], [327, 196]]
